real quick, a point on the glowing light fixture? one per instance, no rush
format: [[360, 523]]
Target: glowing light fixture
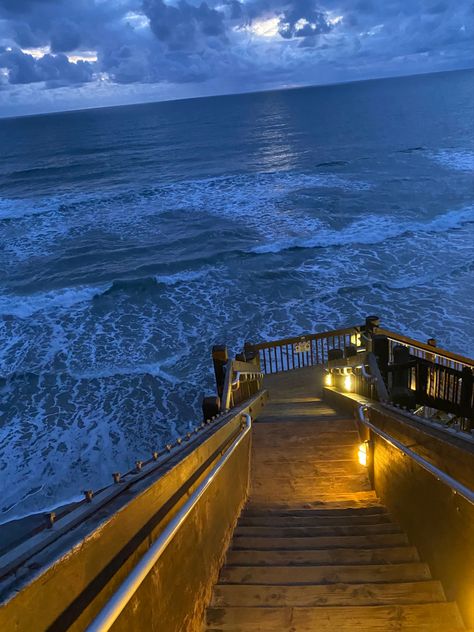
[[348, 383], [363, 453], [328, 379]]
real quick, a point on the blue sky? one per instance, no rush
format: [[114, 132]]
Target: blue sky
[[68, 54]]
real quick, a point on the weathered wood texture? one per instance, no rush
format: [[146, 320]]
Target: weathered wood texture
[[438, 522], [65, 587], [314, 549]]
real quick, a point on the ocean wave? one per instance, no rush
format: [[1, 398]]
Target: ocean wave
[[372, 229], [65, 298], [25, 306], [11, 209], [333, 163], [155, 369], [183, 277], [230, 191], [411, 150], [458, 160]]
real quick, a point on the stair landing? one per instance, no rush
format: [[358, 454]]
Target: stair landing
[[314, 549]]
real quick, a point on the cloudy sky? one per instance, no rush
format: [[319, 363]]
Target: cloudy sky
[[62, 54]]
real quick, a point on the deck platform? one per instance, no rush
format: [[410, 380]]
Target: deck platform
[[314, 549]]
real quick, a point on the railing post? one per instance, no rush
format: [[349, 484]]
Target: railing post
[[421, 381], [400, 391], [251, 355], [371, 324], [335, 354], [220, 357], [401, 375], [466, 396], [350, 351], [211, 406], [380, 348]]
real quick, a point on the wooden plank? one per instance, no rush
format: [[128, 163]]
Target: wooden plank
[[311, 521], [435, 617], [350, 574], [364, 594], [313, 336], [441, 353], [313, 510], [290, 496], [285, 531], [388, 555], [326, 542]]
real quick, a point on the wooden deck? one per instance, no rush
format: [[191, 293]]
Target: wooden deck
[[314, 550]]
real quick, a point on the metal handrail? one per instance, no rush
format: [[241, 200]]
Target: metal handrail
[[441, 476], [116, 604], [346, 368], [253, 375]]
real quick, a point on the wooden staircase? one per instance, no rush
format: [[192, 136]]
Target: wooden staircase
[[314, 550]]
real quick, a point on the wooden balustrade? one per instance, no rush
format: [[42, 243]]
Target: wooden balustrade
[[301, 351]]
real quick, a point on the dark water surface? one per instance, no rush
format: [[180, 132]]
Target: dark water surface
[[134, 238]]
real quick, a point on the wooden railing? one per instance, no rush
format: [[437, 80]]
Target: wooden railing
[[301, 351], [437, 378], [425, 351], [437, 386], [242, 381], [312, 349]]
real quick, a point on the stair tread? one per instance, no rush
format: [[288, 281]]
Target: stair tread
[[315, 550], [432, 617], [256, 557], [313, 521], [320, 542], [340, 594], [313, 510], [351, 573], [295, 531]]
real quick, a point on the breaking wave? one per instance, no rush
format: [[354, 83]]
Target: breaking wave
[[458, 160], [371, 229]]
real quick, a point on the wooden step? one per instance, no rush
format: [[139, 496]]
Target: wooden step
[[329, 500], [433, 617], [348, 574], [387, 555], [328, 595], [321, 542], [312, 532], [311, 521], [314, 510]]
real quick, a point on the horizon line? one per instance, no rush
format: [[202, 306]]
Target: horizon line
[[231, 94]]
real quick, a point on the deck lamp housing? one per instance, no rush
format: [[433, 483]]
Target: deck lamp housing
[[363, 453]]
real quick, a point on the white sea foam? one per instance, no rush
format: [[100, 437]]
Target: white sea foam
[[458, 160], [25, 306], [90, 390], [372, 229], [183, 276], [155, 369], [256, 199]]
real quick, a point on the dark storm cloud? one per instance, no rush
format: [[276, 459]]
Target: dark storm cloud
[[184, 26], [54, 70], [303, 19], [179, 41]]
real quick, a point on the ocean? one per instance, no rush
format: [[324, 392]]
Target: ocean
[[132, 239]]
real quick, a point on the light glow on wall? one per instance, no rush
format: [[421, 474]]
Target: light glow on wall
[[328, 379], [363, 453]]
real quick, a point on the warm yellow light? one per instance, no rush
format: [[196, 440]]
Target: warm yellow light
[[355, 340], [328, 379], [348, 383], [363, 453]]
